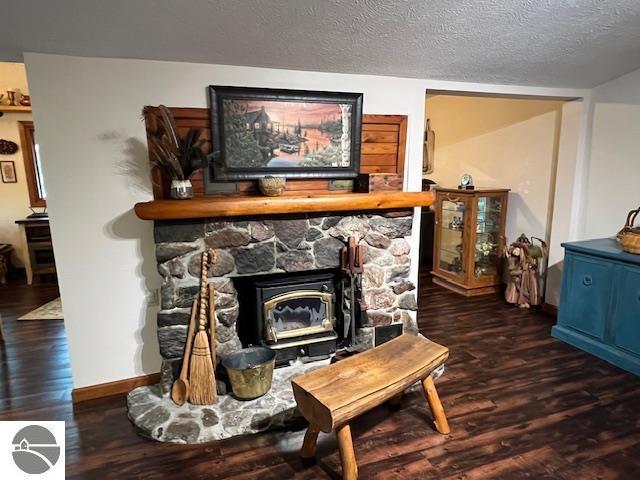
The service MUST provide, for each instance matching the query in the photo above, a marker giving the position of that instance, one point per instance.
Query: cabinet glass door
(486, 248)
(451, 224)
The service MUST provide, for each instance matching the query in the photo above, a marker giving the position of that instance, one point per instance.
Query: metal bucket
(250, 371)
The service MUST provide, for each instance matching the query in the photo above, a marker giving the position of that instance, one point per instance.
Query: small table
(36, 241)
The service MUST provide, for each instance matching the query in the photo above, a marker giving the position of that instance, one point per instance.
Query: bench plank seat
(335, 394)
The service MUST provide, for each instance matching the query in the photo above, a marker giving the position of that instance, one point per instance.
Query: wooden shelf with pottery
(228, 206)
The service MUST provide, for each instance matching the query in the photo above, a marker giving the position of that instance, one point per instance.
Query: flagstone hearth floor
(157, 417)
(520, 404)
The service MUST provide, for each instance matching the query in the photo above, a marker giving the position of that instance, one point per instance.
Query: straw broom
(201, 380)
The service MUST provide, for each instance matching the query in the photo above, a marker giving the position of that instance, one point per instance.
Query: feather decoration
(177, 158)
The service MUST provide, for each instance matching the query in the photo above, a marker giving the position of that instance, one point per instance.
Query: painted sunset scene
(260, 133)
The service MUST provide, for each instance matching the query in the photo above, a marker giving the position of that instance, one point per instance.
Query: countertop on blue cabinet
(603, 247)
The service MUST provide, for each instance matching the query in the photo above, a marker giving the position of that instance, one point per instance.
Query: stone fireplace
(260, 255)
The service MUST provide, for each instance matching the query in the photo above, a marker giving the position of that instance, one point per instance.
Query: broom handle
(203, 291)
(187, 348)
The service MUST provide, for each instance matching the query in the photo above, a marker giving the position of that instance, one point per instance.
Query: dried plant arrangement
(177, 158)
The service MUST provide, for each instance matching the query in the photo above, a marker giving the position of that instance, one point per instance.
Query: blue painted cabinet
(600, 302)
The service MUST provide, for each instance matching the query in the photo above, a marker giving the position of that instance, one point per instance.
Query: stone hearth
(260, 246)
(157, 417)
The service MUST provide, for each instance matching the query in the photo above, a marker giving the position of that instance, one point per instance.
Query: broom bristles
(202, 386)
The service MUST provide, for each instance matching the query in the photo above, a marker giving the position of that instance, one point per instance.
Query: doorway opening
(27, 260)
(504, 145)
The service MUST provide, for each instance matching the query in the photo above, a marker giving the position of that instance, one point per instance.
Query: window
(32, 165)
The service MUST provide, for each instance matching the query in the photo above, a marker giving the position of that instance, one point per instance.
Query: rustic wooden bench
(332, 396)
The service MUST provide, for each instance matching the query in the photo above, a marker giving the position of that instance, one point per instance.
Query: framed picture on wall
(287, 133)
(8, 171)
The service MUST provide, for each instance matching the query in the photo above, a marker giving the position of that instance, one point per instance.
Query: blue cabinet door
(588, 295)
(626, 321)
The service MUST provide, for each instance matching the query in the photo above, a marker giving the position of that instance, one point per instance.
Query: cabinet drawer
(626, 322)
(588, 294)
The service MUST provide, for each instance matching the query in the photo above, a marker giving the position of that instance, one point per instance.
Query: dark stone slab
(327, 252)
(223, 265)
(388, 332)
(167, 295)
(209, 418)
(170, 319)
(291, 232)
(171, 341)
(156, 416)
(176, 268)
(182, 432)
(261, 231)
(329, 222)
(225, 300)
(227, 237)
(167, 251)
(295, 261)
(186, 295)
(223, 284)
(178, 231)
(259, 258)
(313, 234)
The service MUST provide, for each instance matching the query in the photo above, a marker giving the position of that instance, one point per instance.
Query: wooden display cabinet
(469, 239)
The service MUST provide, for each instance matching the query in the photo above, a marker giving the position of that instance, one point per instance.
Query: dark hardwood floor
(520, 405)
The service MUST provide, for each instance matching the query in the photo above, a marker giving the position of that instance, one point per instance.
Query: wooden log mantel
(229, 206)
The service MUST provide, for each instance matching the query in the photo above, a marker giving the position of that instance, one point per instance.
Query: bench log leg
(436, 406)
(347, 455)
(309, 444)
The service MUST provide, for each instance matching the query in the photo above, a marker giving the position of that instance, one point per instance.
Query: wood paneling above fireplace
(384, 139)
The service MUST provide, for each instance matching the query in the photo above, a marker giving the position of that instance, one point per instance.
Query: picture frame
(258, 132)
(8, 171)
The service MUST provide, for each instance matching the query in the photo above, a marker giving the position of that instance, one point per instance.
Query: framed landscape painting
(287, 133)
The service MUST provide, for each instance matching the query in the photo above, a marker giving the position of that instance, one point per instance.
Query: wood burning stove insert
(294, 314)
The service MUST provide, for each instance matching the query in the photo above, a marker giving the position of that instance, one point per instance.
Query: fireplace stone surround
(258, 246)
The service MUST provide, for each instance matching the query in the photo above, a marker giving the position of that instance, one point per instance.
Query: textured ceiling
(571, 43)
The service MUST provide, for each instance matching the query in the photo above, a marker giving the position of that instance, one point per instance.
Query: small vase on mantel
(181, 189)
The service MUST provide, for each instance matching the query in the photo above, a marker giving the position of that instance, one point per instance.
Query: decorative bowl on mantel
(272, 186)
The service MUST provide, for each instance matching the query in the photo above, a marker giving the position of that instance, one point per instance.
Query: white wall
(14, 197)
(567, 182)
(91, 134)
(613, 184)
(503, 143)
